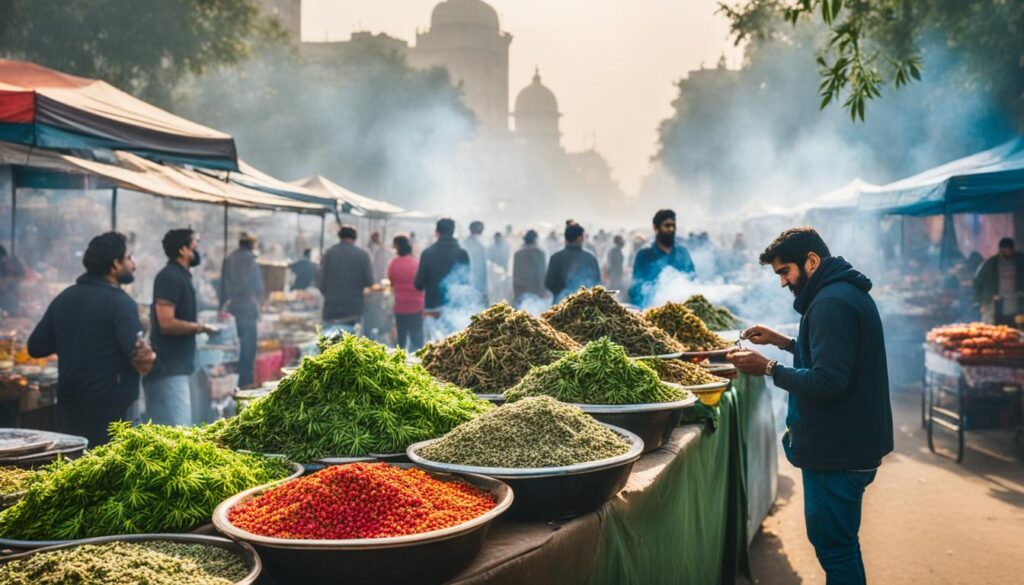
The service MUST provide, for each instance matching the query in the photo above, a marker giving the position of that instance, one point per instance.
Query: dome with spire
(536, 98)
(464, 13)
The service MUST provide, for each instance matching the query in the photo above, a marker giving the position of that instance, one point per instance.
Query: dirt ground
(926, 519)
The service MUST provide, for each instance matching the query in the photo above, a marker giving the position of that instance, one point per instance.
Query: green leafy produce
(352, 400)
(685, 326)
(682, 373)
(13, 479)
(533, 432)
(498, 348)
(128, 563)
(149, 478)
(601, 373)
(715, 317)
(592, 313)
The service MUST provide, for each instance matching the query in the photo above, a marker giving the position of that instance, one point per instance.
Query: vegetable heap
(715, 317)
(593, 313)
(682, 373)
(149, 478)
(601, 373)
(128, 563)
(352, 400)
(13, 479)
(682, 324)
(360, 500)
(498, 348)
(533, 432)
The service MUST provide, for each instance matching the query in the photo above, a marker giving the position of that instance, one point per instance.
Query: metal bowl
(430, 557)
(552, 493)
(727, 371)
(653, 422)
(712, 355)
(248, 554)
(710, 394)
(67, 446)
(495, 399)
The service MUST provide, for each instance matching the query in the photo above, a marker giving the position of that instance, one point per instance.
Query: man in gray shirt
(477, 258)
(345, 270)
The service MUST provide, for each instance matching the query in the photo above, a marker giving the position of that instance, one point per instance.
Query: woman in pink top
(408, 300)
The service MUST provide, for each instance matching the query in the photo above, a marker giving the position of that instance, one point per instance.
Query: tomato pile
(360, 500)
(979, 340)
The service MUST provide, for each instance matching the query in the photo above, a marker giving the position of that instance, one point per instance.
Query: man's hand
(748, 362)
(143, 357)
(204, 328)
(761, 335)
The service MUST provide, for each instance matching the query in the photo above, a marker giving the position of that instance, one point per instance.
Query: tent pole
(113, 209)
(224, 260)
(323, 223)
(14, 212)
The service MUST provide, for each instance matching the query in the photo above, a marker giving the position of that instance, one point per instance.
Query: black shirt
(571, 269)
(175, 355)
(305, 273)
(436, 263)
(92, 327)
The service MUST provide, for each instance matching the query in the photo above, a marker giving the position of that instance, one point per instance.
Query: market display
(533, 432)
(496, 350)
(128, 563)
(593, 313)
(685, 326)
(354, 399)
(978, 340)
(716, 318)
(148, 479)
(682, 373)
(13, 479)
(600, 373)
(360, 500)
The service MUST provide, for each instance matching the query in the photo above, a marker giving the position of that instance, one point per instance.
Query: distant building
(335, 50)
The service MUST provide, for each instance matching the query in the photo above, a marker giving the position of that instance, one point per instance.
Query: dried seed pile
(498, 348)
(593, 313)
(13, 479)
(533, 432)
(601, 373)
(148, 479)
(682, 372)
(715, 317)
(352, 400)
(128, 563)
(361, 500)
(685, 326)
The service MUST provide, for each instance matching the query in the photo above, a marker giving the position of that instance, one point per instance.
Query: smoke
(461, 300)
(533, 304)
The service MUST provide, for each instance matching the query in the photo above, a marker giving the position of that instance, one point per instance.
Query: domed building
(536, 116)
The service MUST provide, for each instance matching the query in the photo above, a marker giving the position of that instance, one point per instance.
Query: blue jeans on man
(832, 509)
(168, 400)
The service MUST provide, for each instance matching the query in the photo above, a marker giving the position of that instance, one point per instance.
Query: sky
(611, 63)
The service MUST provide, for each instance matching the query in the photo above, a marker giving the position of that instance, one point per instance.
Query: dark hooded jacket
(839, 412)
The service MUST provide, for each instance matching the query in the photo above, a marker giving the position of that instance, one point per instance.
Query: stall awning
(991, 181)
(365, 205)
(253, 178)
(45, 108)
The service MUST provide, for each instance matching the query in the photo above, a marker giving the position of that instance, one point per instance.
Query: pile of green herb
(682, 373)
(13, 479)
(498, 348)
(128, 563)
(601, 373)
(352, 400)
(685, 326)
(533, 432)
(593, 313)
(149, 478)
(715, 317)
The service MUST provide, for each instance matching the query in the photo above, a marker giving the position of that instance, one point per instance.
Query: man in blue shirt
(664, 252)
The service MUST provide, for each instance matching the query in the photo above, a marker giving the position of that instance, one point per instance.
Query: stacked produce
(498, 348)
(682, 373)
(533, 432)
(685, 326)
(715, 317)
(148, 479)
(601, 373)
(360, 500)
(593, 313)
(979, 340)
(352, 400)
(13, 479)
(128, 563)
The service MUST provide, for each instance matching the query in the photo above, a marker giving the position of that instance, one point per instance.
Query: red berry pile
(360, 500)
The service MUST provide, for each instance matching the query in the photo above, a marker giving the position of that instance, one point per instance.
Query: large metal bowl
(248, 554)
(552, 493)
(67, 446)
(653, 422)
(430, 557)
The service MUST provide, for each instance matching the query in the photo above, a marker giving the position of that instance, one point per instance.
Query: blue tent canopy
(991, 181)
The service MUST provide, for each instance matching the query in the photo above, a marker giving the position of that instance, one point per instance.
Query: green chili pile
(128, 563)
(715, 317)
(352, 400)
(533, 432)
(593, 313)
(682, 372)
(686, 327)
(148, 479)
(601, 373)
(498, 348)
(13, 479)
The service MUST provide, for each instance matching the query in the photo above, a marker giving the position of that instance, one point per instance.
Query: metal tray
(430, 557)
(652, 422)
(495, 399)
(69, 446)
(248, 554)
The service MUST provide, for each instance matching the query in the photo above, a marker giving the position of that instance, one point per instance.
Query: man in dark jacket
(304, 270)
(839, 425)
(436, 265)
(528, 269)
(243, 294)
(999, 285)
(572, 267)
(93, 327)
(345, 273)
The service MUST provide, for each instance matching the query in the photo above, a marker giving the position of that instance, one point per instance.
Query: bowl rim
(636, 450)
(497, 488)
(639, 407)
(720, 385)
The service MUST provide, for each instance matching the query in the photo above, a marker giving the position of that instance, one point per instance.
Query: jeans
(168, 401)
(832, 504)
(410, 331)
(247, 349)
